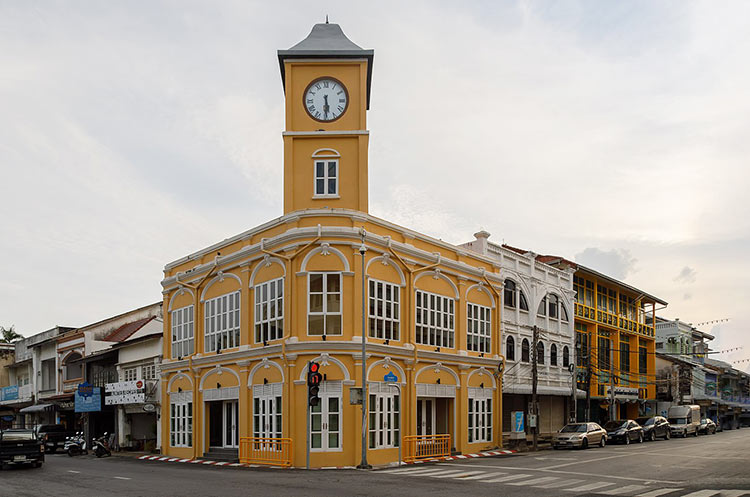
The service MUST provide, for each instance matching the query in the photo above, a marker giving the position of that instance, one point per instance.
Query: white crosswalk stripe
(590, 486)
(482, 476)
(627, 489)
(454, 473)
(658, 492)
(417, 471)
(561, 484)
(534, 481)
(734, 493)
(506, 478)
(704, 493)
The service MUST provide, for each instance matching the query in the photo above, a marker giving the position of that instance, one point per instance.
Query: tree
(9, 335)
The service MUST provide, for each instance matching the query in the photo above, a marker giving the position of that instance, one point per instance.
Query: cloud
(617, 263)
(687, 275)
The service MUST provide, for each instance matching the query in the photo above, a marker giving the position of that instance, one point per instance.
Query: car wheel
(603, 441)
(585, 444)
(627, 439)
(695, 434)
(652, 436)
(53, 450)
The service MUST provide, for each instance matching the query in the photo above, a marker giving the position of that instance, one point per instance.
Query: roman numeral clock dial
(326, 99)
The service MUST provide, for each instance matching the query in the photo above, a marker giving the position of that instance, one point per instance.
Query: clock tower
(326, 80)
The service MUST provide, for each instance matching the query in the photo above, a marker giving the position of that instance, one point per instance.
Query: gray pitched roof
(327, 41)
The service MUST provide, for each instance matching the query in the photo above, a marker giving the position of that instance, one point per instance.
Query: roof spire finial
(326, 18)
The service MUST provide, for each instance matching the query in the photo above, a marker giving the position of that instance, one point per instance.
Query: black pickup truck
(19, 446)
(52, 436)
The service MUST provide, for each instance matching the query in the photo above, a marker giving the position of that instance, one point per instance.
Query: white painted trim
(326, 178)
(321, 248)
(220, 277)
(266, 262)
(387, 262)
(174, 378)
(437, 274)
(319, 155)
(441, 368)
(484, 371)
(328, 358)
(210, 371)
(265, 364)
(179, 293)
(324, 133)
(482, 288)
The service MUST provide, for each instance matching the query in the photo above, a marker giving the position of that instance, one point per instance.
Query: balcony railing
(613, 320)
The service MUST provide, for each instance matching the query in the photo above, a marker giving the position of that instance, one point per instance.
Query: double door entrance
(434, 415)
(224, 425)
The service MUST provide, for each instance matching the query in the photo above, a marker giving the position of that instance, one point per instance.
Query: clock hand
(325, 105)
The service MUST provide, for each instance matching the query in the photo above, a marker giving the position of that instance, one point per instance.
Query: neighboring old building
(534, 294)
(244, 316)
(7, 390)
(615, 348)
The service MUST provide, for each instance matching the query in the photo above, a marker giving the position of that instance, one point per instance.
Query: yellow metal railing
(268, 451)
(608, 318)
(426, 447)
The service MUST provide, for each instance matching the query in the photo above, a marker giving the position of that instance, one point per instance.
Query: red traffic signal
(314, 367)
(313, 383)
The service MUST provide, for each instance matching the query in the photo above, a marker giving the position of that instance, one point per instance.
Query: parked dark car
(654, 427)
(20, 446)
(707, 427)
(52, 436)
(624, 430)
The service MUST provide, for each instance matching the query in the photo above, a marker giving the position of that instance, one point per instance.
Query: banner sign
(125, 392)
(88, 398)
(9, 393)
(624, 393)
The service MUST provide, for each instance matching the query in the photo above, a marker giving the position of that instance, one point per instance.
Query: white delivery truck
(684, 420)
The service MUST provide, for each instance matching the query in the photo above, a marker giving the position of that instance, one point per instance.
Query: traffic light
(313, 383)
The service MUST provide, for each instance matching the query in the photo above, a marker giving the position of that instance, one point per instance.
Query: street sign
(518, 425)
(390, 378)
(88, 401)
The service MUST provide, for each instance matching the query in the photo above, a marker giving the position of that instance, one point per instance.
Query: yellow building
(615, 345)
(245, 316)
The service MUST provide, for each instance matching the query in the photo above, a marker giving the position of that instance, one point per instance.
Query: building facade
(534, 294)
(244, 317)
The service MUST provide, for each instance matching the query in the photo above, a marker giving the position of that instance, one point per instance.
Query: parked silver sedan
(579, 435)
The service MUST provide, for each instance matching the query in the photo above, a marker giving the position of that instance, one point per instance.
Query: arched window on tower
(509, 296)
(326, 173)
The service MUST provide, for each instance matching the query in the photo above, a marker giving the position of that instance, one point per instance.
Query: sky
(615, 134)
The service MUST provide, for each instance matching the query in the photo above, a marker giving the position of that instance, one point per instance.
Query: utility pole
(612, 415)
(534, 409)
(363, 463)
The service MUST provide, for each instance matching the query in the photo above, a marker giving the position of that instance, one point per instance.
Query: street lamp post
(363, 464)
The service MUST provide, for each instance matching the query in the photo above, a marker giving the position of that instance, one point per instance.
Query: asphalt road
(704, 467)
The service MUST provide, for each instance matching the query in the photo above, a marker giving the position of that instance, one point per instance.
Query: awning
(541, 390)
(38, 408)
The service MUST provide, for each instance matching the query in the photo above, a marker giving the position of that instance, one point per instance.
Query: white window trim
(393, 415)
(181, 416)
(229, 331)
(479, 322)
(258, 316)
(443, 332)
(395, 318)
(477, 421)
(179, 320)
(325, 161)
(329, 389)
(126, 373)
(264, 394)
(325, 312)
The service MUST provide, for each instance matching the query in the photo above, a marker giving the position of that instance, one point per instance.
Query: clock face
(326, 99)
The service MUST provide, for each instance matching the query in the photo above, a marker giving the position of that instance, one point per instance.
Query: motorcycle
(101, 446)
(75, 445)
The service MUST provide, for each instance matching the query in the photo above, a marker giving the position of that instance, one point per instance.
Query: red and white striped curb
(489, 453)
(222, 463)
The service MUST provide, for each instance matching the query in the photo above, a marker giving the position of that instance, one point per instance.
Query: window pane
(319, 169)
(316, 302)
(333, 283)
(333, 303)
(333, 325)
(315, 325)
(316, 282)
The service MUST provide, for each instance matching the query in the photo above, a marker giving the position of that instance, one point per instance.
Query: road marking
(460, 474)
(121, 478)
(623, 490)
(482, 476)
(703, 493)
(552, 458)
(590, 486)
(535, 481)
(71, 471)
(561, 484)
(506, 478)
(734, 493)
(414, 471)
(658, 492)
(586, 461)
(567, 473)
